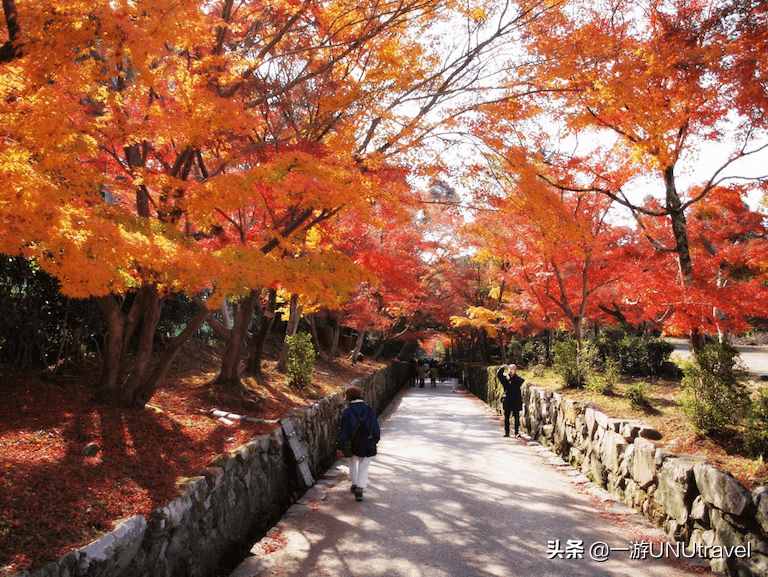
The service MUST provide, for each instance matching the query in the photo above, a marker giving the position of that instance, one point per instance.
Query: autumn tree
(554, 259)
(646, 86)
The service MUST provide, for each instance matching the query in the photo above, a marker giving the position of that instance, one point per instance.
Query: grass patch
(664, 413)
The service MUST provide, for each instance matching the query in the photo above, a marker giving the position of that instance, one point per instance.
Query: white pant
(358, 470)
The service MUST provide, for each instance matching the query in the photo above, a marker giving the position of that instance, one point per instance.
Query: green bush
(605, 382)
(756, 435)
(637, 393)
(572, 364)
(515, 351)
(301, 359)
(533, 352)
(539, 370)
(611, 373)
(597, 383)
(640, 355)
(714, 394)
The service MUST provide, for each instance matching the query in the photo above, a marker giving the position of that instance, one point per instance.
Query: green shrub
(539, 370)
(642, 355)
(301, 359)
(756, 435)
(605, 382)
(572, 364)
(611, 373)
(533, 352)
(515, 351)
(597, 383)
(714, 395)
(637, 393)
(658, 352)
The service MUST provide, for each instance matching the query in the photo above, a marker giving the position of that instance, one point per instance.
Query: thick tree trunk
(150, 317)
(229, 374)
(112, 355)
(122, 376)
(380, 349)
(167, 357)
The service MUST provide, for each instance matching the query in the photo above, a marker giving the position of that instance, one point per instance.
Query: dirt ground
(56, 495)
(664, 414)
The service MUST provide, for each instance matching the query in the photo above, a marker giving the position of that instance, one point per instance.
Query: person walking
(422, 370)
(433, 373)
(360, 433)
(413, 372)
(513, 397)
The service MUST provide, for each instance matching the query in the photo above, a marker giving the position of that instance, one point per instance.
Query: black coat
(513, 397)
(366, 437)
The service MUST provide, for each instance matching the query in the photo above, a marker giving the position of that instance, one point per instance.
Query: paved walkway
(754, 358)
(450, 497)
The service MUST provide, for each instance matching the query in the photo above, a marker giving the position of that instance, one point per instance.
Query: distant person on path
(413, 372)
(433, 372)
(513, 397)
(422, 373)
(360, 433)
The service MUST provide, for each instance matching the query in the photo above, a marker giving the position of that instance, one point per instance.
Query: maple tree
(646, 88)
(553, 256)
(188, 147)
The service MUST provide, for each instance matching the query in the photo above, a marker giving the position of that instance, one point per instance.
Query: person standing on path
(513, 397)
(413, 372)
(422, 372)
(433, 373)
(360, 433)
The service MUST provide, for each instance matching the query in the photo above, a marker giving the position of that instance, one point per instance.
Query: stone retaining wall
(692, 500)
(219, 513)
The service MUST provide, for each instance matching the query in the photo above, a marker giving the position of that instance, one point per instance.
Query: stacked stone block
(694, 501)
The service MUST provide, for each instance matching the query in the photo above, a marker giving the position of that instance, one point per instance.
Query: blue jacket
(368, 434)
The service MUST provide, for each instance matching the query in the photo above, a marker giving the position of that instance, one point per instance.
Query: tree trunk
(680, 232)
(290, 330)
(380, 348)
(335, 339)
(578, 332)
(253, 366)
(226, 314)
(123, 378)
(167, 357)
(358, 345)
(112, 355)
(229, 374)
(484, 347)
(150, 317)
(503, 351)
(11, 48)
(315, 336)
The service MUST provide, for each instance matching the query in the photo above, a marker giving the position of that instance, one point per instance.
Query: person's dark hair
(353, 393)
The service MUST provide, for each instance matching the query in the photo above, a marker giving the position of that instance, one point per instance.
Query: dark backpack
(359, 431)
